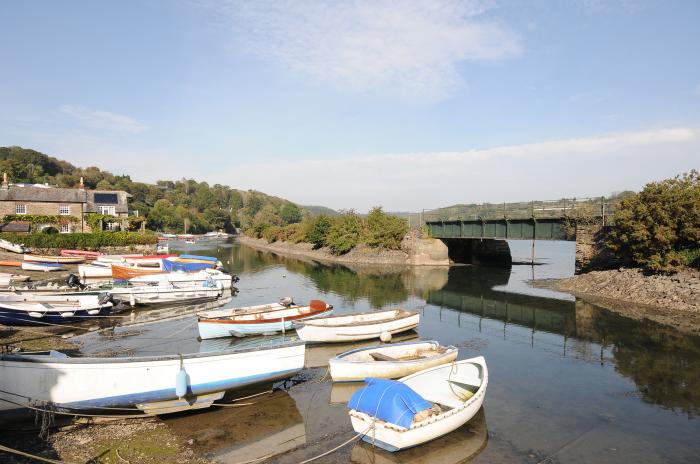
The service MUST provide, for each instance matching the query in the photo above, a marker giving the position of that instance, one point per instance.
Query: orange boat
(128, 272)
(11, 263)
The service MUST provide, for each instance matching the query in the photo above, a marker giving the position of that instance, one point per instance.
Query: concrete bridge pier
(490, 252)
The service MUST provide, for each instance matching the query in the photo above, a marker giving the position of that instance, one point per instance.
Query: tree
(318, 231)
(659, 228)
(290, 213)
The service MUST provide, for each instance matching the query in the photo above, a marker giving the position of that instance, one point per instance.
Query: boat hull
(343, 369)
(41, 266)
(215, 329)
(157, 294)
(334, 334)
(54, 259)
(12, 316)
(94, 383)
(394, 438)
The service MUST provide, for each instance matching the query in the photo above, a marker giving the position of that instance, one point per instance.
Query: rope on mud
(74, 414)
(30, 456)
(345, 443)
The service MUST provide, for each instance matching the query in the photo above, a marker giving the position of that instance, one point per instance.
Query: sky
(403, 104)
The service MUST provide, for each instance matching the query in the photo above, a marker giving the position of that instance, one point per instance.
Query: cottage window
(111, 210)
(112, 226)
(20, 209)
(64, 210)
(65, 228)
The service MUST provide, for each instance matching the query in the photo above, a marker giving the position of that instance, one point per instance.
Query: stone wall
(428, 252)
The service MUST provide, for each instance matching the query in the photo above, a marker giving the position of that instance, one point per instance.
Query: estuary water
(569, 382)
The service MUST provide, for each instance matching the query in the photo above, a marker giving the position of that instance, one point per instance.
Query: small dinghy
(182, 277)
(81, 253)
(363, 326)
(267, 319)
(13, 247)
(389, 361)
(54, 259)
(95, 269)
(437, 401)
(153, 385)
(46, 267)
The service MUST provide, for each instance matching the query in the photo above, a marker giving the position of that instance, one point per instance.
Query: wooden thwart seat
(382, 357)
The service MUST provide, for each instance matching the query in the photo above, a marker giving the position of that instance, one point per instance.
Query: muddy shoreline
(358, 255)
(672, 300)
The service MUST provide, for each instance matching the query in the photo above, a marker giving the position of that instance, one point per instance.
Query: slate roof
(62, 195)
(15, 226)
(50, 194)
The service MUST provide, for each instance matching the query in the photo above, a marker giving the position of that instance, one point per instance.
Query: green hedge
(92, 241)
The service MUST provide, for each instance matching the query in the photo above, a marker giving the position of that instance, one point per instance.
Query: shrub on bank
(80, 241)
(659, 228)
(340, 233)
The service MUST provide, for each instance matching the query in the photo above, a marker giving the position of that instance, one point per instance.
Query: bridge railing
(595, 208)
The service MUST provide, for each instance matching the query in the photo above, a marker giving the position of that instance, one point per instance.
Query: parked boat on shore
(181, 277)
(13, 247)
(154, 385)
(363, 326)
(81, 253)
(456, 392)
(40, 266)
(268, 319)
(36, 309)
(54, 259)
(389, 361)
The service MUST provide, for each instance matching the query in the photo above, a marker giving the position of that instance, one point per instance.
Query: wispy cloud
(566, 167)
(407, 49)
(97, 119)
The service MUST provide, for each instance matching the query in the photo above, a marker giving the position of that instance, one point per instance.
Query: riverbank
(415, 251)
(668, 299)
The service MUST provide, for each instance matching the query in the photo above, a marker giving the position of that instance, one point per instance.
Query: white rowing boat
(95, 269)
(13, 247)
(166, 293)
(45, 267)
(154, 385)
(457, 388)
(271, 320)
(363, 326)
(54, 259)
(178, 278)
(389, 361)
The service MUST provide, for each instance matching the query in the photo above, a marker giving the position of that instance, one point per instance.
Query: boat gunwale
(47, 359)
(341, 358)
(403, 314)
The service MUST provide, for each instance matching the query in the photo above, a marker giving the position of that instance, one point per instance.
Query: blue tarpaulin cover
(203, 258)
(388, 400)
(169, 266)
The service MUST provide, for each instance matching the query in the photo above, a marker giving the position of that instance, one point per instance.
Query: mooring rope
(30, 456)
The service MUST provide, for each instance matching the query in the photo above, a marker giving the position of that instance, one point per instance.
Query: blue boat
(52, 309)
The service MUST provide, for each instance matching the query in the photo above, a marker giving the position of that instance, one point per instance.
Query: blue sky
(405, 104)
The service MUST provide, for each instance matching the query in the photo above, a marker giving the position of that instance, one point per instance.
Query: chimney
(82, 185)
(5, 185)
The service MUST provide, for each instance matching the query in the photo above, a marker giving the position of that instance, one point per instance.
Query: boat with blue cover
(426, 405)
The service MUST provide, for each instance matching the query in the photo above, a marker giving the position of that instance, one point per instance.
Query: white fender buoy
(385, 337)
(181, 381)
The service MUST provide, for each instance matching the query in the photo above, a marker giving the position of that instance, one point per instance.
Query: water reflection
(272, 425)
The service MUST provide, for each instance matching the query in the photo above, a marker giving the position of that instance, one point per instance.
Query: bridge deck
(504, 229)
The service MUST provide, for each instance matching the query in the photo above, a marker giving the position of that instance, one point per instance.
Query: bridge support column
(489, 252)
